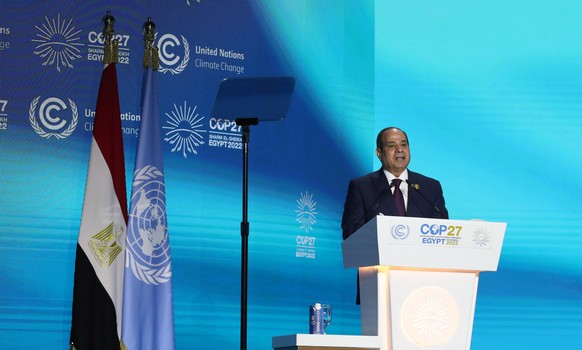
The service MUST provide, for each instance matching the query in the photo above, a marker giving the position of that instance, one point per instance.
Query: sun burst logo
(430, 316)
(481, 237)
(58, 42)
(184, 129)
(306, 211)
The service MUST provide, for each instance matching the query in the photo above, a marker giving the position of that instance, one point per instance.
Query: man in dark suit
(375, 193)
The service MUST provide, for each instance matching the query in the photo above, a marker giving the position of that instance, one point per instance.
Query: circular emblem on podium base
(430, 317)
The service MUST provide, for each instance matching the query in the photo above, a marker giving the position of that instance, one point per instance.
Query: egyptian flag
(99, 265)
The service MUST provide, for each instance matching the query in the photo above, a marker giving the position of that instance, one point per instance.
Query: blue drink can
(316, 319)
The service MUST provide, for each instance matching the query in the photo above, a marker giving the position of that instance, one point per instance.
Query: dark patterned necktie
(398, 197)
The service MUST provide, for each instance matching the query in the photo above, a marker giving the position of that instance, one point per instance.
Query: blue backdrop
(488, 93)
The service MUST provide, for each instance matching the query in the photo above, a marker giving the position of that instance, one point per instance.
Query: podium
(419, 276)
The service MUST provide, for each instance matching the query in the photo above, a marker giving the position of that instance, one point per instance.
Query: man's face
(395, 154)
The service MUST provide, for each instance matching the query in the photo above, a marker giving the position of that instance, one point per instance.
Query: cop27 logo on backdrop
(306, 211)
(55, 117)
(173, 58)
(148, 247)
(184, 125)
(3, 115)
(57, 42)
(95, 48)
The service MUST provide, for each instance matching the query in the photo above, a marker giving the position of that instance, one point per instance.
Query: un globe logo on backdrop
(148, 247)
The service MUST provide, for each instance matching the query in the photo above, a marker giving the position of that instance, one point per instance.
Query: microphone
(417, 188)
(379, 200)
(381, 197)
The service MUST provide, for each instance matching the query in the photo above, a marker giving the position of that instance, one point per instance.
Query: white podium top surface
(327, 340)
(425, 243)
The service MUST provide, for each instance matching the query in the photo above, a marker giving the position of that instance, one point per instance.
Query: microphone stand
(417, 189)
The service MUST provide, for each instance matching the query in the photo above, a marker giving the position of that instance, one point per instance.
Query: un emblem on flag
(148, 247)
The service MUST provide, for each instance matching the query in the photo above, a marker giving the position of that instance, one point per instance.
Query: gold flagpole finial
(150, 55)
(111, 45)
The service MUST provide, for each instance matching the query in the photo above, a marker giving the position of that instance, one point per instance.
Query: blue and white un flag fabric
(148, 312)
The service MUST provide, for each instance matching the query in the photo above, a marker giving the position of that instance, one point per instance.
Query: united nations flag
(148, 313)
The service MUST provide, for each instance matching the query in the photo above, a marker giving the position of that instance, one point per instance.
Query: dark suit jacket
(370, 195)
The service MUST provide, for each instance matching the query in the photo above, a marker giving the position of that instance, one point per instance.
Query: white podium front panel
(414, 310)
(432, 309)
(426, 244)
